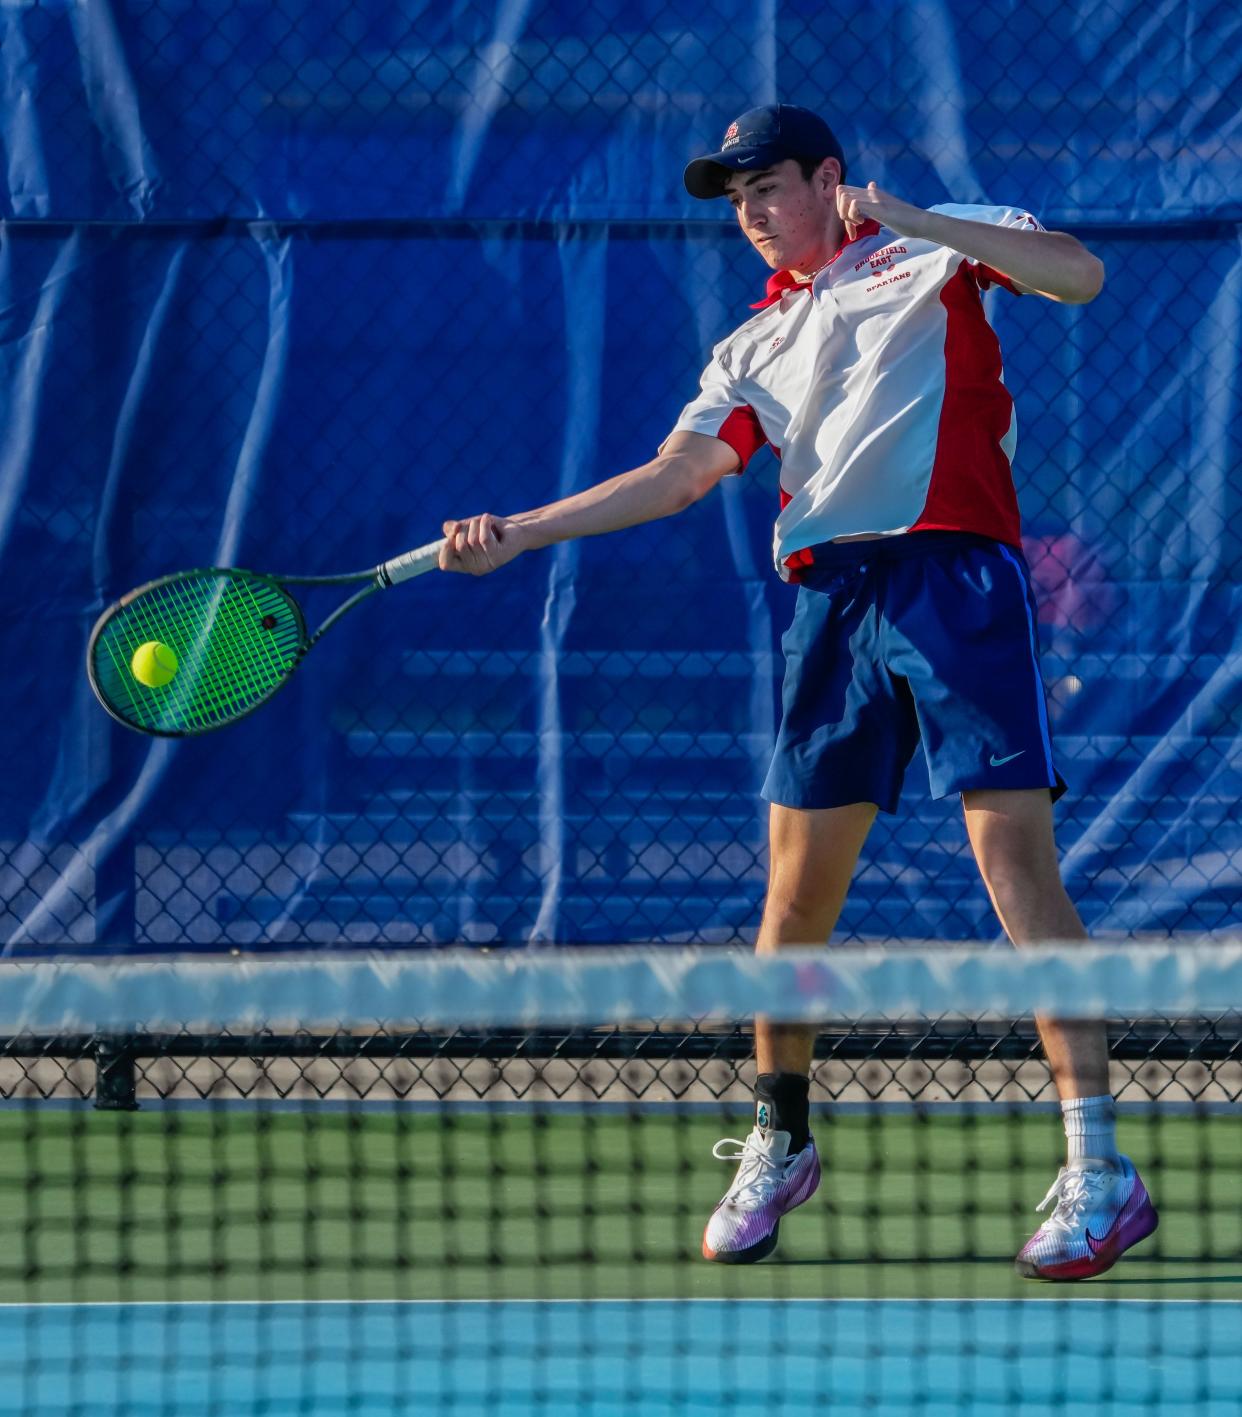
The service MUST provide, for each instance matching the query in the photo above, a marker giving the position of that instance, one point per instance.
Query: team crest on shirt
(776, 343)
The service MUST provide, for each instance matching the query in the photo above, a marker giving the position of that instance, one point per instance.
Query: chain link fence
(1171, 1063)
(285, 285)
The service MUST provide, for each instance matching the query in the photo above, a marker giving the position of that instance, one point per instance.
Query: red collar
(781, 281)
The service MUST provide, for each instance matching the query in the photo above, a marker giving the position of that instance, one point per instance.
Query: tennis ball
(154, 664)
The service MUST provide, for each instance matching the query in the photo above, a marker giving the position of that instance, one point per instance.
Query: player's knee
(1018, 880)
(803, 917)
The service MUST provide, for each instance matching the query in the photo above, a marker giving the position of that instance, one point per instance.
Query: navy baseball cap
(759, 139)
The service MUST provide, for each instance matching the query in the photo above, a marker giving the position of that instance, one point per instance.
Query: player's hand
(856, 205)
(477, 545)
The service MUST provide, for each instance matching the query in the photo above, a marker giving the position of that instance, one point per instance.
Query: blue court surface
(611, 1357)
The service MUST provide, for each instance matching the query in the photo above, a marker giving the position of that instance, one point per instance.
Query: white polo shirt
(879, 386)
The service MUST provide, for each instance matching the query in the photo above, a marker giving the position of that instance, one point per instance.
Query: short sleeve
(720, 411)
(1015, 217)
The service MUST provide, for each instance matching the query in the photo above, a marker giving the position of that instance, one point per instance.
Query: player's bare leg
(813, 854)
(1012, 838)
(1102, 1207)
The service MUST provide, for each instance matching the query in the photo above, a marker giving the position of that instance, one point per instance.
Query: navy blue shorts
(926, 636)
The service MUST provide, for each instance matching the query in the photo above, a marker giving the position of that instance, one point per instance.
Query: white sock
(1091, 1129)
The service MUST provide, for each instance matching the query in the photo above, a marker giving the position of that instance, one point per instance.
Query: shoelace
(758, 1175)
(1073, 1191)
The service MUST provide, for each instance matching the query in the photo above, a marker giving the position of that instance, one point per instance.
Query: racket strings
(228, 668)
(205, 683)
(236, 638)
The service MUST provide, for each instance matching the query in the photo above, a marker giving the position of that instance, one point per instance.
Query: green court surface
(235, 1203)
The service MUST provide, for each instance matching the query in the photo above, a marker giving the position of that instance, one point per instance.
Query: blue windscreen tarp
(284, 285)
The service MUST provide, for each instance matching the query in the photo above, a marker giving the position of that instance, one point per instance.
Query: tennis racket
(237, 637)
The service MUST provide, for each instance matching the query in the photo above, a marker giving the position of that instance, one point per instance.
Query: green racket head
(237, 637)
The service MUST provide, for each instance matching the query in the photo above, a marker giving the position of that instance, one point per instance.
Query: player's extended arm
(1050, 263)
(688, 467)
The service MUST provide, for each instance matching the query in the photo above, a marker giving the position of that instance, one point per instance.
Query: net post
(116, 1078)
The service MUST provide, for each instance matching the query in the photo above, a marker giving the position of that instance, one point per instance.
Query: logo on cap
(730, 136)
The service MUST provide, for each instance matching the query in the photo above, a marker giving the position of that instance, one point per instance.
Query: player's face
(791, 222)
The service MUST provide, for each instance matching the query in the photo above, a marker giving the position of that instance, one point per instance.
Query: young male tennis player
(871, 369)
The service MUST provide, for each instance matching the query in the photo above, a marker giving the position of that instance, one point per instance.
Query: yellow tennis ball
(154, 664)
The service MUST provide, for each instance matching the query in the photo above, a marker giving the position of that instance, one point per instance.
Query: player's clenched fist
(480, 544)
(856, 205)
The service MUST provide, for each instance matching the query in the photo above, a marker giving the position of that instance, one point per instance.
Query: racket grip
(410, 564)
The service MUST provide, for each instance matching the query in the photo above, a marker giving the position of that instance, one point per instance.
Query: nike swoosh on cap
(1000, 762)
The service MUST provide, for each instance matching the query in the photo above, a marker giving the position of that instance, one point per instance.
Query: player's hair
(810, 165)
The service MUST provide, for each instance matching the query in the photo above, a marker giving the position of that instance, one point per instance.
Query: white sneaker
(769, 1183)
(1100, 1213)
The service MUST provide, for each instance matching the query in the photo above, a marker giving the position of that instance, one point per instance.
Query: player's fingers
(451, 558)
(852, 202)
(474, 545)
(480, 531)
(480, 545)
(482, 541)
(455, 554)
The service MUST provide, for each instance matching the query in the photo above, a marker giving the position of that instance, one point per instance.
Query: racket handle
(409, 565)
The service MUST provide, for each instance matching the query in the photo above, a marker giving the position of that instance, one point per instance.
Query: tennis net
(476, 1181)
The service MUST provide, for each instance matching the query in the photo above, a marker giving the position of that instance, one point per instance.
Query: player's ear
(828, 175)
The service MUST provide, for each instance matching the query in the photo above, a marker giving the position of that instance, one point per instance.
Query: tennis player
(870, 368)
